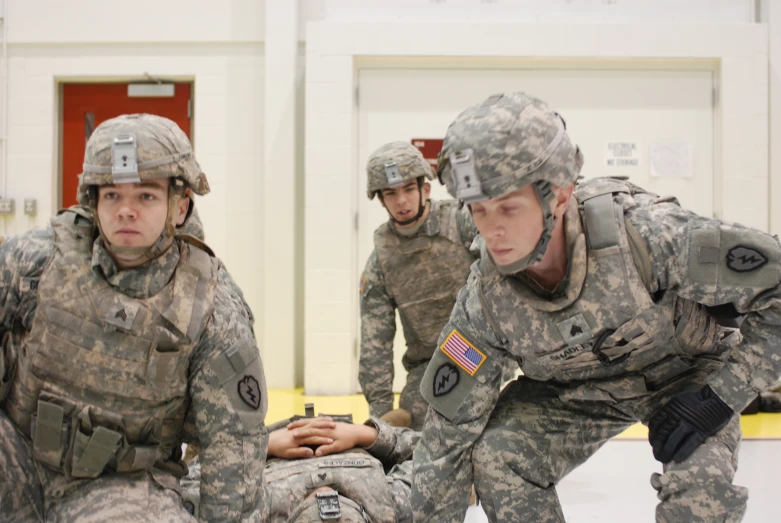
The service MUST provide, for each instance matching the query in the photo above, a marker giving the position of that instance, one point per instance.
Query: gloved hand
(680, 426)
(397, 418)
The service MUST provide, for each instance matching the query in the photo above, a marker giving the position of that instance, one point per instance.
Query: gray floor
(613, 486)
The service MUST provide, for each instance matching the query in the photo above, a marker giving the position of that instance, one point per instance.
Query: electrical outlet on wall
(6, 206)
(30, 206)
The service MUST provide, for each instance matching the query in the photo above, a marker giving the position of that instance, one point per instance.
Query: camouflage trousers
(534, 439)
(410, 398)
(31, 493)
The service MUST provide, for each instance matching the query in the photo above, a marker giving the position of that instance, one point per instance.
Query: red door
(85, 106)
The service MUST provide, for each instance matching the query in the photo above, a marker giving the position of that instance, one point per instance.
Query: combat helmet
(393, 165)
(137, 147)
(507, 142)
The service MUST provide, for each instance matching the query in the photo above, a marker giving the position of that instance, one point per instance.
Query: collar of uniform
(429, 226)
(139, 282)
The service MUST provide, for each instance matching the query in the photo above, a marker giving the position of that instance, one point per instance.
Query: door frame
(59, 86)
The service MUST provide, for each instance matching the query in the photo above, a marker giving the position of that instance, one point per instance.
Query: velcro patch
(462, 352)
(321, 479)
(575, 330)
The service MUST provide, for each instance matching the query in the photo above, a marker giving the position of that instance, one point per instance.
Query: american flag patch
(362, 283)
(463, 353)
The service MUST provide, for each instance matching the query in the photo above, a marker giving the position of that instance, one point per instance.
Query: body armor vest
(423, 275)
(354, 474)
(607, 324)
(102, 378)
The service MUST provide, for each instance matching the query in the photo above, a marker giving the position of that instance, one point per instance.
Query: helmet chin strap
(421, 210)
(544, 196)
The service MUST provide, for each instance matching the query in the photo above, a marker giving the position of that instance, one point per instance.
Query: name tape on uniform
(345, 463)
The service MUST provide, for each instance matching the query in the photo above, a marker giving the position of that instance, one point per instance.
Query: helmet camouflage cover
(136, 147)
(393, 165)
(503, 144)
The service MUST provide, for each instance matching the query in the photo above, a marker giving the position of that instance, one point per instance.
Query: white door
(616, 117)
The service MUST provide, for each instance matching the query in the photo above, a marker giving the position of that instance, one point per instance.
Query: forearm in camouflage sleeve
(393, 444)
(229, 404)
(232, 455)
(700, 259)
(378, 328)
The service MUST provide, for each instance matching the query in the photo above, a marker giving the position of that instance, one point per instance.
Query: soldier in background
(421, 259)
(121, 341)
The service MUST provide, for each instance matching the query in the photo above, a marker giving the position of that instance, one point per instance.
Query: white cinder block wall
(263, 223)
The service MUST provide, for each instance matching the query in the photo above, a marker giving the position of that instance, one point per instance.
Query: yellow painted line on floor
(287, 402)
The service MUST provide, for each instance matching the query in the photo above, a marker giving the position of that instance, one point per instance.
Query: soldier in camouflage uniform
(121, 341)
(420, 260)
(362, 472)
(601, 291)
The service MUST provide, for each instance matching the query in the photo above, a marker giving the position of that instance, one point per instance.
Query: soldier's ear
(561, 199)
(183, 207)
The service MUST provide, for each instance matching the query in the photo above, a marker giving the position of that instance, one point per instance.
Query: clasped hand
(300, 437)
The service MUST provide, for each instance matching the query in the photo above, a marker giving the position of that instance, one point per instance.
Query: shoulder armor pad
(605, 185)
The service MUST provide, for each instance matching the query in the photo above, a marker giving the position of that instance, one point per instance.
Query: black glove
(680, 426)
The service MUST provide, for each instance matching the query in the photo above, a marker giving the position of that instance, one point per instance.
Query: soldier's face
(135, 214)
(511, 225)
(403, 202)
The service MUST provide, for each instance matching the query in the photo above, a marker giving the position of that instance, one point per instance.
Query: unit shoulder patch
(249, 391)
(445, 379)
(745, 259)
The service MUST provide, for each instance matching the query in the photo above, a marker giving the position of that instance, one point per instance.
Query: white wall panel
(140, 21)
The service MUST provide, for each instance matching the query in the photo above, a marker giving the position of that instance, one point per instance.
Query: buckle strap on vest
(98, 450)
(48, 440)
(137, 457)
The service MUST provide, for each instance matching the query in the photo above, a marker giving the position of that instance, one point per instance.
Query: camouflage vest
(423, 275)
(102, 377)
(354, 474)
(607, 325)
